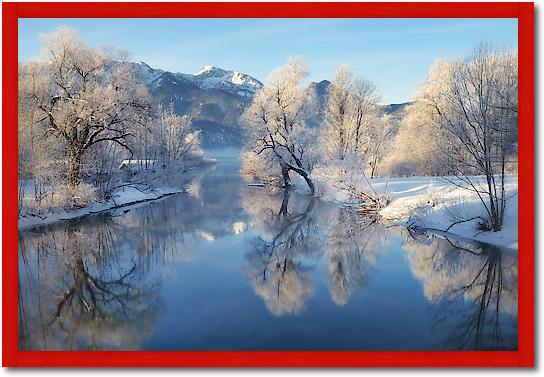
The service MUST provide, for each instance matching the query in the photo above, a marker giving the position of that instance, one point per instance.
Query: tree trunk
(373, 168)
(357, 139)
(285, 203)
(285, 175)
(341, 144)
(309, 183)
(304, 175)
(74, 165)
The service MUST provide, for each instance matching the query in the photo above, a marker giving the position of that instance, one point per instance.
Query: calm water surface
(232, 267)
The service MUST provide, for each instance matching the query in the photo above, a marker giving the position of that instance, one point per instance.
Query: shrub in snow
(338, 175)
(431, 196)
(398, 166)
(78, 196)
(344, 181)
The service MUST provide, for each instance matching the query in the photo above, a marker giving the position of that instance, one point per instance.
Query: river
(233, 267)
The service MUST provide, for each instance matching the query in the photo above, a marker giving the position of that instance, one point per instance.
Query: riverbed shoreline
(432, 203)
(32, 222)
(128, 196)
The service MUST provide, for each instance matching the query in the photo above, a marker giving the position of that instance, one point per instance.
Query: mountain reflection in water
(228, 266)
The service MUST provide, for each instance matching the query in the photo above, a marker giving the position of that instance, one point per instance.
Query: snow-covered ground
(435, 203)
(123, 197)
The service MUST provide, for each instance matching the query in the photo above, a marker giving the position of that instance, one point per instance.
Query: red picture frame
(523, 357)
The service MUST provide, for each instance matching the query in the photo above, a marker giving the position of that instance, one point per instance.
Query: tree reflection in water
(473, 287)
(293, 234)
(96, 283)
(351, 244)
(274, 265)
(93, 283)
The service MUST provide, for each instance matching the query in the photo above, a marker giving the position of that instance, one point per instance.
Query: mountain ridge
(209, 77)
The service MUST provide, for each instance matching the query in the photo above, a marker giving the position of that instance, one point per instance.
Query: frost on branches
(461, 126)
(275, 124)
(81, 113)
(464, 124)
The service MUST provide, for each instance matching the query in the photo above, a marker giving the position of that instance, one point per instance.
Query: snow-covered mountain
(215, 98)
(209, 77)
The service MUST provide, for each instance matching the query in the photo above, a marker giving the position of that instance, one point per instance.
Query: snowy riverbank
(123, 197)
(434, 203)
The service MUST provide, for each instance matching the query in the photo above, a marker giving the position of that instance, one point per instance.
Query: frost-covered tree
(337, 131)
(416, 149)
(377, 141)
(351, 130)
(472, 103)
(175, 136)
(81, 102)
(40, 156)
(275, 122)
(418, 144)
(364, 98)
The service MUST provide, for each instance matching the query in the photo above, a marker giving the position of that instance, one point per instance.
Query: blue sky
(394, 53)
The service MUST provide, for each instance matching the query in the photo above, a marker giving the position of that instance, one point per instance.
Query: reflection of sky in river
(233, 267)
